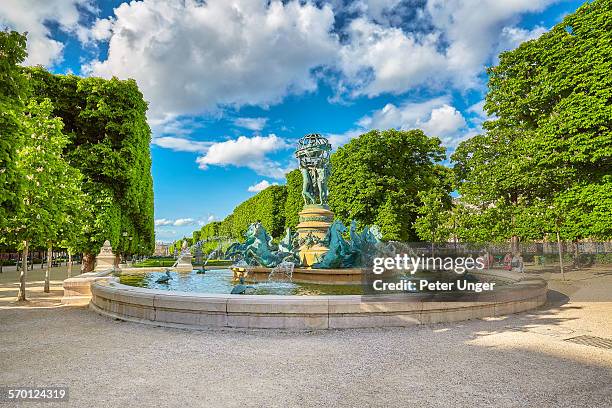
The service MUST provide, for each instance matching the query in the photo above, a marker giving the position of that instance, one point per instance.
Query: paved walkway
(514, 361)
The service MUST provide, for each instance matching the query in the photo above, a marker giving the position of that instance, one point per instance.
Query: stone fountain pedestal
(105, 259)
(183, 263)
(77, 290)
(314, 224)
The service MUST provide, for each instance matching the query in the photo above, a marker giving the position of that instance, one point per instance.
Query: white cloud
(464, 36)
(32, 16)
(183, 221)
(512, 37)
(436, 117)
(180, 144)
(262, 185)
(255, 124)
(179, 222)
(478, 109)
(377, 10)
(444, 121)
(381, 59)
(472, 27)
(246, 152)
(191, 56)
(211, 218)
(250, 152)
(102, 29)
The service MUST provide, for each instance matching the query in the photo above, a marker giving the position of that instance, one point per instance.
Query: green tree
(294, 202)
(109, 139)
(267, 206)
(13, 92)
(50, 186)
(376, 179)
(432, 223)
(555, 94)
(494, 170)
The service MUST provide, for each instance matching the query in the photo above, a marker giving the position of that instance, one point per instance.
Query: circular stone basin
(188, 309)
(219, 281)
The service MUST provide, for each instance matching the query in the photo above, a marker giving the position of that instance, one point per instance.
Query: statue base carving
(314, 223)
(184, 263)
(105, 259)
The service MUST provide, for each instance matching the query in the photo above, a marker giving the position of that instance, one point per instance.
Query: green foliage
(267, 206)
(51, 193)
(432, 224)
(376, 179)
(109, 143)
(210, 230)
(480, 224)
(545, 160)
(12, 96)
(294, 202)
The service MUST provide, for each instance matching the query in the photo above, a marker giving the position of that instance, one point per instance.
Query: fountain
(317, 277)
(318, 249)
(183, 263)
(282, 272)
(315, 218)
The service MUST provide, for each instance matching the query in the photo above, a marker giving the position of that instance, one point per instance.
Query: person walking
(517, 263)
(508, 262)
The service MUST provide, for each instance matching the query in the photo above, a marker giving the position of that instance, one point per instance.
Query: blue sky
(232, 85)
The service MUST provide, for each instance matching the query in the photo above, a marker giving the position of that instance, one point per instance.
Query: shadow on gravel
(555, 299)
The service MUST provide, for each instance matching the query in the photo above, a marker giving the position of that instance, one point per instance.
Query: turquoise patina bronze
(258, 248)
(319, 242)
(313, 155)
(343, 254)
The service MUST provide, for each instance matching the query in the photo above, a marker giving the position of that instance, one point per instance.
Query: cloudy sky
(232, 85)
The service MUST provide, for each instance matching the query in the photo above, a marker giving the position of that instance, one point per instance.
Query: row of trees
(75, 165)
(542, 169)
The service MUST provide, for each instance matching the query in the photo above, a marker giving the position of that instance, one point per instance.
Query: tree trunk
(47, 271)
(560, 249)
(87, 264)
(21, 295)
(575, 255)
(117, 261)
(514, 244)
(69, 263)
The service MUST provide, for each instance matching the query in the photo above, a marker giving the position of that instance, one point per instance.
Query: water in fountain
(209, 257)
(282, 272)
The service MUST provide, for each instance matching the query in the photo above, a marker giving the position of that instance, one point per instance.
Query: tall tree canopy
(376, 179)
(13, 92)
(267, 206)
(545, 161)
(295, 202)
(51, 188)
(109, 143)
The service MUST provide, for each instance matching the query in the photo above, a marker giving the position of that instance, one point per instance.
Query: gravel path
(516, 361)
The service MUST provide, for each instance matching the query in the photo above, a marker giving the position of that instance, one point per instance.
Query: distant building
(161, 249)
